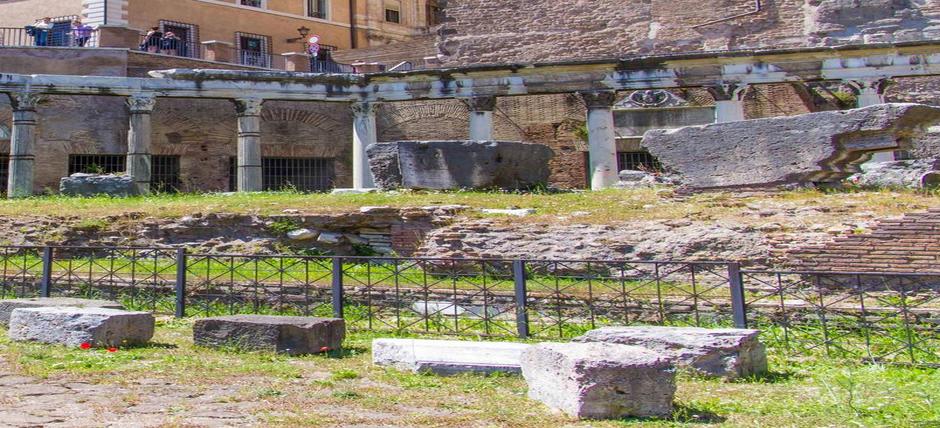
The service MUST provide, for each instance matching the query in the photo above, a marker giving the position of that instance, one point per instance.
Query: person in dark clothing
(40, 31)
(171, 44)
(153, 41)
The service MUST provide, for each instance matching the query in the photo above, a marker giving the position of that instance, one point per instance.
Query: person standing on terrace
(81, 33)
(153, 41)
(40, 31)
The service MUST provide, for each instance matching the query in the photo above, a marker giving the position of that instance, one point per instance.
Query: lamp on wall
(303, 31)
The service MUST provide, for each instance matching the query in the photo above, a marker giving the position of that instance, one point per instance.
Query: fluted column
(602, 139)
(363, 135)
(22, 144)
(140, 107)
(249, 144)
(481, 118)
(729, 102)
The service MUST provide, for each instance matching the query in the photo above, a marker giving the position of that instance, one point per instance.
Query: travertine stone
(724, 352)
(448, 357)
(458, 164)
(283, 334)
(805, 149)
(71, 326)
(599, 380)
(81, 184)
(7, 306)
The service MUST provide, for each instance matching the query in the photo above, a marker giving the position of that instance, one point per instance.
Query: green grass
(346, 388)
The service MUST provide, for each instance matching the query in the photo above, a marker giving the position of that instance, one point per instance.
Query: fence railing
(870, 317)
(13, 37)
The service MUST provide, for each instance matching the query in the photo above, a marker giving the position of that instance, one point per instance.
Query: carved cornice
(248, 106)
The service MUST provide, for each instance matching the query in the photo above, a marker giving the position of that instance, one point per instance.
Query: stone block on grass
(600, 380)
(72, 326)
(282, 334)
(729, 353)
(7, 306)
(448, 357)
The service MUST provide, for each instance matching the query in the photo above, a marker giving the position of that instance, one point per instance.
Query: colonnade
(602, 147)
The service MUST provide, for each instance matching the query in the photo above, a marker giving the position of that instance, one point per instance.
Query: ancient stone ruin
(283, 334)
(81, 184)
(443, 165)
(824, 147)
(72, 326)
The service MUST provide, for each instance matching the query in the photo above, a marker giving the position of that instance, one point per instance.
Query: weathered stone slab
(448, 357)
(81, 184)
(459, 164)
(599, 380)
(288, 335)
(913, 174)
(71, 326)
(7, 306)
(724, 352)
(805, 149)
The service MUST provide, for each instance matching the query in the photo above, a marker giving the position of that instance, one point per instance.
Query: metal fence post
(522, 315)
(738, 305)
(337, 287)
(180, 282)
(45, 284)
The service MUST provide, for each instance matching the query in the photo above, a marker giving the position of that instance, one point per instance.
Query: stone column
(363, 135)
(22, 144)
(602, 139)
(140, 106)
(868, 93)
(481, 118)
(249, 144)
(729, 102)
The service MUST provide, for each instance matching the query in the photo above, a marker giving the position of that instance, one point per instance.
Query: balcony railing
(14, 36)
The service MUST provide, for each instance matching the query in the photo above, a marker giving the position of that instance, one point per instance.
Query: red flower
(325, 349)
(85, 345)
(112, 349)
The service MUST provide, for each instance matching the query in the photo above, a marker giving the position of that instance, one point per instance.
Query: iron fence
(861, 316)
(56, 37)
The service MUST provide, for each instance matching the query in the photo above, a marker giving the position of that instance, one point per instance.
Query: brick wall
(907, 244)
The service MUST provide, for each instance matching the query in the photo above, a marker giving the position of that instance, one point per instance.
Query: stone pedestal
(364, 134)
(7, 306)
(729, 353)
(288, 335)
(71, 326)
(249, 144)
(218, 51)
(599, 380)
(602, 139)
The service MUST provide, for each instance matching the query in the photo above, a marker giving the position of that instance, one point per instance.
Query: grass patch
(323, 391)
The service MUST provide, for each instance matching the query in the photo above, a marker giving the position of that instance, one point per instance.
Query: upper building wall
(491, 31)
(19, 13)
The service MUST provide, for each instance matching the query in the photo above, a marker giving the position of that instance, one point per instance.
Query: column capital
(25, 100)
(601, 99)
(141, 103)
(360, 109)
(481, 103)
(868, 86)
(248, 106)
(728, 91)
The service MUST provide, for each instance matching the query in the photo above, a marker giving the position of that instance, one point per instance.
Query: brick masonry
(907, 244)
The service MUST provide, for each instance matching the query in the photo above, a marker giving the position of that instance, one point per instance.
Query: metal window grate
(253, 49)
(638, 161)
(302, 174)
(165, 174)
(104, 164)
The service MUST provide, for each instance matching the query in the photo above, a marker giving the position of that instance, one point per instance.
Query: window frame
(324, 14)
(397, 14)
(263, 5)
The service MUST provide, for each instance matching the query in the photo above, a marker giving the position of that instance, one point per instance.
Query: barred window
(97, 164)
(300, 174)
(316, 9)
(165, 174)
(639, 161)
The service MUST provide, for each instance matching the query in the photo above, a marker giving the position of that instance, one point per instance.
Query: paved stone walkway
(33, 402)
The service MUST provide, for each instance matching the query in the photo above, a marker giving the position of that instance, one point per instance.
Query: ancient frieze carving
(651, 98)
(25, 100)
